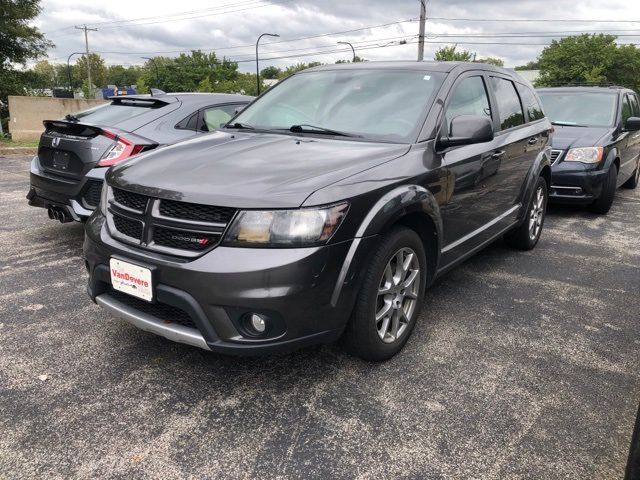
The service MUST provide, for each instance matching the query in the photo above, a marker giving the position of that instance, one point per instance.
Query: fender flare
(393, 205)
(610, 159)
(542, 160)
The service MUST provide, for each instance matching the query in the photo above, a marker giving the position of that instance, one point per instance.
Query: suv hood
(249, 170)
(573, 137)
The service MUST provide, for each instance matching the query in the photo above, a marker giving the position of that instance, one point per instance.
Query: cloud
(222, 24)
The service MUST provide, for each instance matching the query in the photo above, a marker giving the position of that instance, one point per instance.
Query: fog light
(258, 323)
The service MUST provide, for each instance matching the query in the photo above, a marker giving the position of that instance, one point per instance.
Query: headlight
(104, 198)
(584, 155)
(286, 228)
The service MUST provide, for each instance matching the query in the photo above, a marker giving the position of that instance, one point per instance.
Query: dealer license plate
(131, 279)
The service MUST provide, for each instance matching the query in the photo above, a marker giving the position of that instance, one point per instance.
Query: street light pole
(155, 65)
(257, 62)
(352, 49)
(69, 68)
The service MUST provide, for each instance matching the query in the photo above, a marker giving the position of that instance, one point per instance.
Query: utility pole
(86, 43)
(423, 20)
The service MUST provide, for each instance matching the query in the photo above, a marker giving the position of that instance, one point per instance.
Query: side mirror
(632, 124)
(467, 130)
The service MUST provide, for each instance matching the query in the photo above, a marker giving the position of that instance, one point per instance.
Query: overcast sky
(164, 28)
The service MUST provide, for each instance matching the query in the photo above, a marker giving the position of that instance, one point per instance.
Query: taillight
(121, 150)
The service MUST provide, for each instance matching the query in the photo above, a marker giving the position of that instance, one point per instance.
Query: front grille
(555, 155)
(128, 227)
(167, 226)
(92, 193)
(192, 241)
(196, 212)
(130, 200)
(161, 311)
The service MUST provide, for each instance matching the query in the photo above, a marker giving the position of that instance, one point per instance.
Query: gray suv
(324, 209)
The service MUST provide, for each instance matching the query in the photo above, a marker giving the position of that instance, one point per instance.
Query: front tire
(526, 236)
(390, 299)
(603, 203)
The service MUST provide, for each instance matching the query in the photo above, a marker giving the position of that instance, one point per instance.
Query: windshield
(113, 113)
(375, 104)
(580, 108)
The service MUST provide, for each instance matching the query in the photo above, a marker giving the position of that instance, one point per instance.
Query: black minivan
(324, 209)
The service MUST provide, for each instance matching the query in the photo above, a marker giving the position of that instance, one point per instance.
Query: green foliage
(121, 76)
(98, 70)
(356, 59)
(270, 72)
(141, 86)
(579, 59)
(532, 65)
(19, 41)
(297, 68)
(498, 62)
(451, 54)
(205, 85)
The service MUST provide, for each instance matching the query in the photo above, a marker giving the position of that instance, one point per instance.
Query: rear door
(472, 202)
(631, 145)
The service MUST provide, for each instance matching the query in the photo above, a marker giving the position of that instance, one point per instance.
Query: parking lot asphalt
(522, 365)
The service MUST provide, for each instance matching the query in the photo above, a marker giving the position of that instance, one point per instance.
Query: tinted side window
(212, 117)
(508, 103)
(468, 98)
(531, 104)
(189, 123)
(627, 109)
(635, 107)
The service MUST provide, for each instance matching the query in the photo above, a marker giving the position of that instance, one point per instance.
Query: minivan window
(114, 113)
(635, 108)
(375, 104)
(627, 109)
(508, 103)
(588, 109)
(530, 103)
(468, 98)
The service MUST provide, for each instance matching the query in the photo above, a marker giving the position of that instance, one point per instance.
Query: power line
(551, 20)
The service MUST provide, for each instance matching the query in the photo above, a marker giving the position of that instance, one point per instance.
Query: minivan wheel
(526, 236)
(635, 178)
(603, 203)
(390, 299)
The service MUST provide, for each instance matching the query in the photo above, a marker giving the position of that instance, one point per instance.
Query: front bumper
(77, 197)
(203, 302)
(576, 183)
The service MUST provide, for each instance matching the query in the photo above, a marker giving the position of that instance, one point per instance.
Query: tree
(205, 85)
(45, 74)
(19, 42)
(356, 59)
(451, 54)
(141, 86)
(270, 72)
(579, 59)
(121, 76)
(532, 65)
(498, 62)
(98, 70)
(297, 68)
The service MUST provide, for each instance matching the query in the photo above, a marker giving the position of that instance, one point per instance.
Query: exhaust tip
(51, 212)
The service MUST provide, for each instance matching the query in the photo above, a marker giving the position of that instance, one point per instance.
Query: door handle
(532, 141)
(498, 154)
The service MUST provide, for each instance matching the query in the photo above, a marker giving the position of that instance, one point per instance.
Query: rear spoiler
(72, 128)
(152, 102)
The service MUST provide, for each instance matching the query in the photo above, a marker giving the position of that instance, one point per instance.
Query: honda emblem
(55, 142)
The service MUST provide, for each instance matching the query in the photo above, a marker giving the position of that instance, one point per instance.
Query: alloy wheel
(397, 295)
(536, 215)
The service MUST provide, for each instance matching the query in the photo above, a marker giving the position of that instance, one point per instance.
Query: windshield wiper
(71, 117)
(567, 124)
(241, 126)
(304, 128)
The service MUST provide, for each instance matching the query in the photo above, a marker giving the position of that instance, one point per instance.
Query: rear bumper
(577, 184)
(77, 197)
(291, 288)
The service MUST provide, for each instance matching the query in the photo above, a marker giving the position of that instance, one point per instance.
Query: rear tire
(634, 180)
(602, 204)
(526, 236)
(390, 299)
